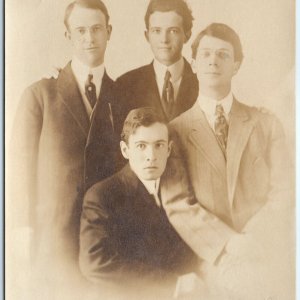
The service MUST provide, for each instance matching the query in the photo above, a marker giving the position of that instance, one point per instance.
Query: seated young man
(125, 237)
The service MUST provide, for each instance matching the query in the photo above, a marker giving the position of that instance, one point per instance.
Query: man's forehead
(82, 14)
(215, 43)
(152, 133)
(165, 19)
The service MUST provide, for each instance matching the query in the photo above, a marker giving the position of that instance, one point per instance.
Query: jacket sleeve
(23, 156)
(100, 259)
(205, 233)
(279, 204)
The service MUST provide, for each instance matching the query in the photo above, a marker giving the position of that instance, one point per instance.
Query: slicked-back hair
(144, 116)
(179, 6)
(92, 4)
(223, 32)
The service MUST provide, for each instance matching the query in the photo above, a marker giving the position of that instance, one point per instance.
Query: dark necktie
(168, 95)
(90, 90)
(221, 127)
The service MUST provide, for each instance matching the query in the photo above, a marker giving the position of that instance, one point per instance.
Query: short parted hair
(92, 4)
(179, 6)
(223, 32)
(144, 116)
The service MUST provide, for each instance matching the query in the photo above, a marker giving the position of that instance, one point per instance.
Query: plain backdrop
(35, 42)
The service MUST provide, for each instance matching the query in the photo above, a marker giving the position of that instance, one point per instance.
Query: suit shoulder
(104, 188)
(41, 86)
(259, 112)
(133, 75)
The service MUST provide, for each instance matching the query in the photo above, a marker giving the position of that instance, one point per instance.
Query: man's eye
(156, 30)
(160, 145)
(141, 146)
(96, 29)
(81, 31)
(223, 55)
(204, 54)
(174, 31)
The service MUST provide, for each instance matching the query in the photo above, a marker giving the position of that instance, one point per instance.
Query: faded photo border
(20, 57)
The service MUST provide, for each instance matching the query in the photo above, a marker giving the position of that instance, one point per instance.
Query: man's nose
(89, 36)
(164, 36)
(150, 154)
(213, 59)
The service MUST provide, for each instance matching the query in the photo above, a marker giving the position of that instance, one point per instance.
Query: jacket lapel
(182, 103)
(71, 97)
(202, 136)
(103, 111)
(240, 128)
(152, 90)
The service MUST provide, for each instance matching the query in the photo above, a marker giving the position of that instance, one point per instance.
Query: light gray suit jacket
(229, 191)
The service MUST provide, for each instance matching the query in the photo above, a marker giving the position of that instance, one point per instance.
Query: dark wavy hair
(144, 116)
(179, 6)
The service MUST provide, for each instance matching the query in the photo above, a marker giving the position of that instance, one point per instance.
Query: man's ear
(187, 36)
(236, 67)
(193, 65)
(146, 33)
(109, 31)
(124, 149)
(67, 35)
(170, 146)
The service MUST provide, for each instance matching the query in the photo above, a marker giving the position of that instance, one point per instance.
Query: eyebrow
(158, 27)
(145, 142)
(100, 25)
(223, 49)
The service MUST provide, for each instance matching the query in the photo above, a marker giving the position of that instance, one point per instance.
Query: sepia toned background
(35, 42)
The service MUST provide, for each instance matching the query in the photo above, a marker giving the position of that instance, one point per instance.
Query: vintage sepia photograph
(150, 150)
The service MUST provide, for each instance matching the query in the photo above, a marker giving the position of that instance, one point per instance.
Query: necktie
(90, 90)
(168, 95)
(221, 127)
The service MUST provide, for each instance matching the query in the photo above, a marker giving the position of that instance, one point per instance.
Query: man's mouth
(150, 168)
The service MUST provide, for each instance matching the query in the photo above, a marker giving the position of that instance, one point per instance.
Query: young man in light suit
(126, 241)
(168, 83)
(63, 141)
(237, 163)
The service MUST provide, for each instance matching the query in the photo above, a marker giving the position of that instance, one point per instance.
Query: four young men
(66, 135)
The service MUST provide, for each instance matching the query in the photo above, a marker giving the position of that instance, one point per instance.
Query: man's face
(166, 36)
(148, 150)
(88, 34)
(215, 65)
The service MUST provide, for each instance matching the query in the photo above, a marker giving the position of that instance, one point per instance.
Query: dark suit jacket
(138, 88)
(125, 236)
(56, 151)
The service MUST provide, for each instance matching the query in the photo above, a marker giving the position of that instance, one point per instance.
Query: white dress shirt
(152, 186)
(208, 106)
(176, 71)
(81, 73)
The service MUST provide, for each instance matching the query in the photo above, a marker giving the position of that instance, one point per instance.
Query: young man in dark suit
(126, 240)
(63, 141)
(168, 83)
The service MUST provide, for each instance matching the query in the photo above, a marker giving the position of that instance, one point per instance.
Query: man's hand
(188, 286)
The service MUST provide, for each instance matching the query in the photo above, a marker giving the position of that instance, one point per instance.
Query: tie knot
(219, 110)
(89, 79)
(167, 75)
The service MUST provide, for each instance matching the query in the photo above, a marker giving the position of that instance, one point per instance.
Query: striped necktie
(221, 127)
